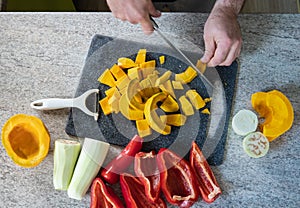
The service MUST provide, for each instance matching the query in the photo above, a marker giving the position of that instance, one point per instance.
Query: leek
(65, 156)
(88, 165)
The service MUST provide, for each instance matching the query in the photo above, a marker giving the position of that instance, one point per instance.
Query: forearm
(234, 5)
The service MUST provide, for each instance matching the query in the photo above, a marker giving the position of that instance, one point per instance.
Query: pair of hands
(222, 35)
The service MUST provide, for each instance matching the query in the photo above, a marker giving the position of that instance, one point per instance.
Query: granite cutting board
(210, 133)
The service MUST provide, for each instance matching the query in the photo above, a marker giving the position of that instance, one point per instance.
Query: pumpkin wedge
(26, 140)
(276, 110)
(151, 116)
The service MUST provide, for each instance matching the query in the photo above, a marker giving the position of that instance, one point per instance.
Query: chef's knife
(207, 83)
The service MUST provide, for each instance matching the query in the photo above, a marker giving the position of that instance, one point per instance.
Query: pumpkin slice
(201, 66)
(151, 116)
(134, 73)
(163, 78)
(122, 82)
(143, 128)
(168, 88)
(125, 63)
(26, 140)
(205, 111)
(110, 92)
(276, 110)
(117, 72)
(146, 70)
(131, 91)
(177, 85)
(127, 111)
(107, 78)
(186, 106)
(162, 59)
(105, 106)
(174, 119)
(169, 105)
(195, 99)
(187, 76)
(141, 56)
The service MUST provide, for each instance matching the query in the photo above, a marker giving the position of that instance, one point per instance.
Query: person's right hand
(135, 11)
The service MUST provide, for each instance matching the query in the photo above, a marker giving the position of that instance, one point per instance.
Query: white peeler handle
(52, 104)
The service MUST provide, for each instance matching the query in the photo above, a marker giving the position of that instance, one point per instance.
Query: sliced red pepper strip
(208, 185)
(103, 196)
(112, 170)
(145, 167)
(178, 181)
(134, 195)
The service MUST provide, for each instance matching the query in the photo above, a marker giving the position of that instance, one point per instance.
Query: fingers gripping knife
(78, 102)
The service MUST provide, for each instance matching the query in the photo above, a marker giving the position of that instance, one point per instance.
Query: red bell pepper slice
(134, 195)
(146, 169)
(178, 181)
(112, 170)
(208, 185)
(103, 196)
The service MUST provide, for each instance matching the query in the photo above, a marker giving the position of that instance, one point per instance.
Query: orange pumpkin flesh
(26, 140)
(276, 110)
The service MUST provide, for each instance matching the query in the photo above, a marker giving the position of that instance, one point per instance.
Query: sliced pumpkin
(127, 111)
(162, 59)
(107, 78)
(153, 77)
(131, 91)
(105, 106)
(186, 106)
(169, 105)
(139, 90)
(117, 72)
(134, 73)
(143, 128)
(148, 65)
(276, 110)
(109, 93)
(122, 82)
(174, 119)
(177, 85)
(151, 116)
(195, 99)
(26, 140)
(141, 56)
(125, 63)
(163, 78)
(167, 88)
(201, 66)
(205, 111)
(187, 76)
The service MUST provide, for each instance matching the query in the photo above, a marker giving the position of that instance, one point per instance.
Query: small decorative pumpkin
(276, 110)
(25, 139)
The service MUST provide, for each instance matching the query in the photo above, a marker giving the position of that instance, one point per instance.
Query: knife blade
(204, 79)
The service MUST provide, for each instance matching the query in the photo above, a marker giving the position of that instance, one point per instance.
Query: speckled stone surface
(42, 55)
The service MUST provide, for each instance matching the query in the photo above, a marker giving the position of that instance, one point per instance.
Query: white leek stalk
(88, 165)
(65, 156)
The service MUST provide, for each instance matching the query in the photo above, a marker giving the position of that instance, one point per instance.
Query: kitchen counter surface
(42, 55)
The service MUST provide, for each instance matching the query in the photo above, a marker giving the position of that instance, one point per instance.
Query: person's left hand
(222, 38)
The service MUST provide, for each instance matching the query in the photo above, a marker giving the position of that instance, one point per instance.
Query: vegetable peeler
(78, 102)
